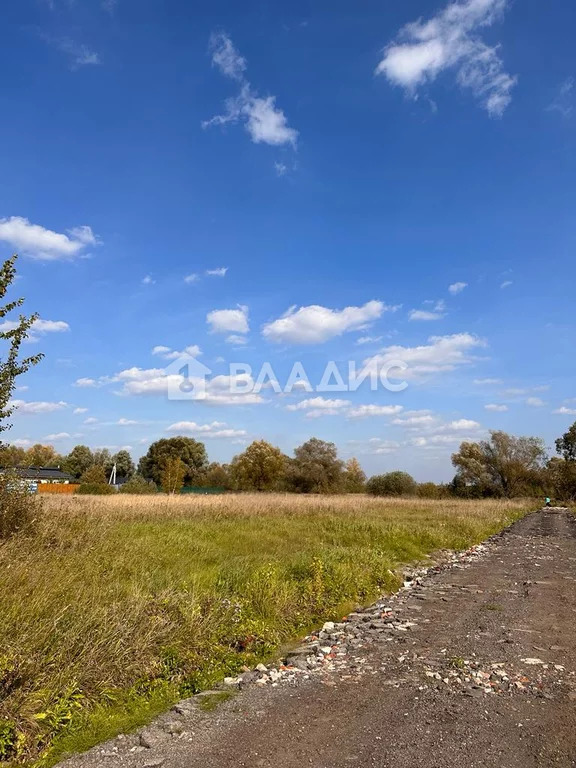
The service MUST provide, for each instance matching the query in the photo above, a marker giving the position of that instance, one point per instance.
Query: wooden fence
(58, 487)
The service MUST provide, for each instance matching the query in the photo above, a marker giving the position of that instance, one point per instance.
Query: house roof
(40, 473)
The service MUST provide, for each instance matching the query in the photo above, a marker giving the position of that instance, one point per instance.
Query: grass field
(118, 606)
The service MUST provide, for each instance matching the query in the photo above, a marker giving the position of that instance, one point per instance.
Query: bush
(96, 489)
(139, 485)
(19, 507)
(392, 484)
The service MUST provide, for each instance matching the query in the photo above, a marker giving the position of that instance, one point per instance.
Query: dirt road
(476, 666)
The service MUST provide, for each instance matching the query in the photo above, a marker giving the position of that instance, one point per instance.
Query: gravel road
(473, 664)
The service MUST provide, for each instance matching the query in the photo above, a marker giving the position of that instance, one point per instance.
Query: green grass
(118, 606)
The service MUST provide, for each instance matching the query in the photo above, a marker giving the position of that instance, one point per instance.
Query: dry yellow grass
(119, 605)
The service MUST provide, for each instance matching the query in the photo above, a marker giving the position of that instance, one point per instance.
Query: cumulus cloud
(496, 407)
(320, 406)
(43, 244)
(316, 324)
(58, 436)
(171, 354)
(216, 429)
(361, 411)
(228, 320)
(564, 411)
(450, 40)
(506, 284)
(29, 407)
(264, 121)
(78, 411)
(192, 278)
(535, 402)
(441, 354)
(38, 328)
(86, 383)
(217, 272)
(218, 390)
(457, 288)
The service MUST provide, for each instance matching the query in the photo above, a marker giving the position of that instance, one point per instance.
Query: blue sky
(320, 182)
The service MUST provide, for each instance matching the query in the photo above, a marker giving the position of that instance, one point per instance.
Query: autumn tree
(14, 334)
(316, 468)
(43, 456)
(172, 474)
(94, 475)
(259, 467)
(504, 465)
(191, 453)
(354, 478)
(12, 456)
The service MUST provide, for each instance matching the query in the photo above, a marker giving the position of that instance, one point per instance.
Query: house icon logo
(186, 379)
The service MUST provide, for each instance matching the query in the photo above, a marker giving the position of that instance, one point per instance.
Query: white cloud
(449, 40)
(442, 354)
(192, 278)
(148, 280)
(535, 402)
(228, 320)
(171, 354)
(37, 407)
(281, 169)
(36, 242)
(126, 422)
(457, 288)
(236, 340)
(38, 328)
(564, 411)
(412, 421)
(319, 406)
(217, 272)
(79, 54)
(487, 382)
(376, 446)
(564, 100)
(91, 420)
(424, 315)
(263, 120)
(368, 340)
(86, 383)
(361, 411)
(496, 407)
(216, 430)
(506, 284)
(316, 324)
(220, 390)
(226, 58)
(58, 436)
(78, 411)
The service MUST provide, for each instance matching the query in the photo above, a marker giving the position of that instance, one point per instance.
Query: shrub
(391, 484)
(96, 489)
(139, 485)
(19, 508)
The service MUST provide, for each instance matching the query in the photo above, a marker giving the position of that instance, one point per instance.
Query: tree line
(501, 466)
